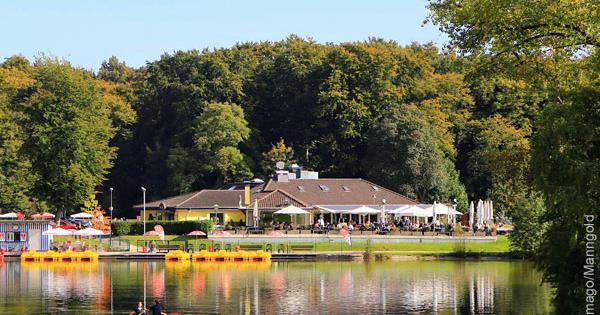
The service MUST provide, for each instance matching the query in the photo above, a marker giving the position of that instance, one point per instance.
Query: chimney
(247, 195)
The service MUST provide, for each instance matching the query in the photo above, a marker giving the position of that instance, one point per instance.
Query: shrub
(458, 230)
(460, 249)
(120, 228)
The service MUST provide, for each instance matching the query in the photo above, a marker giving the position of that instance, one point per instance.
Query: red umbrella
(36, 216)
(47, 215)
(196, 234)
(275, 233)
(221, 233)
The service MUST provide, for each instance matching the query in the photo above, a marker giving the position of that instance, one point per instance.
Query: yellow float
(53, 256)
(177, 255)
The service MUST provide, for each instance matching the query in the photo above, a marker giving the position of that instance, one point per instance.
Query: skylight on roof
(324, 187)
(301, 189)
(346, 188)
(375, 188)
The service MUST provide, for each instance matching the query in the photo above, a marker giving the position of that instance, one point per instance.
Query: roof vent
(375, 188)
(301, 189)
(346, 188)
(324, 187)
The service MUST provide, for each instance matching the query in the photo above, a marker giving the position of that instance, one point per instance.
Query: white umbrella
(492, 210)
(480, 212)
(291, 210)
(89, 232)
(10, 215)
(414, 211)
(397, 210)
(363, 210)
(471, 213)
(58, 231)
(486, 211)
(255, 212)
(441, 208)
(435, 210)
(382, 213)
(82, 215)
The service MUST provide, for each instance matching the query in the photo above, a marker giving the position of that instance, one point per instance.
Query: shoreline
(325, 256)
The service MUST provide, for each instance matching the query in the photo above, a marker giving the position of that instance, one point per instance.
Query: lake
(394, 287)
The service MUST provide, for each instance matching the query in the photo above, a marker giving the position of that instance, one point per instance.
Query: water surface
(393, 287)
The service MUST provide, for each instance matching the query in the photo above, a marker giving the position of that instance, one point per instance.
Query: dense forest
(509, 111)
(415, 119)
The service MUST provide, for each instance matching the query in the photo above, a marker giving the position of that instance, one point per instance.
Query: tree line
(430, 124)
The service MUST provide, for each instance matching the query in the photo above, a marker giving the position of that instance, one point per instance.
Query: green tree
(220, 129)
(279, 152)
(69, 128)
(566, 162)
(552, 45)
(406, 155)
(115, 71)
(15, 168)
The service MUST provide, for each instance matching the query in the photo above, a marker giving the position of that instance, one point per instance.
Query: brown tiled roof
(276, 199)
(203, 199)
(275, 194)
(342, 191)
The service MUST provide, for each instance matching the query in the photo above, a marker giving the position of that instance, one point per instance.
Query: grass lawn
(500, 246)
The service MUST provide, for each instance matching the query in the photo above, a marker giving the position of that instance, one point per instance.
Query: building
(331, 197)
(14, 234)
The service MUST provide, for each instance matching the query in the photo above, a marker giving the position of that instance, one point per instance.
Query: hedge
(171, 227)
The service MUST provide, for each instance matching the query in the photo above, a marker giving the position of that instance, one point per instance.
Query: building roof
(338, 191)
(276, 199)
(203, 199)
(298, 192)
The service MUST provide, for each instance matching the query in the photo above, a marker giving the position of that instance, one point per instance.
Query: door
(35, 238)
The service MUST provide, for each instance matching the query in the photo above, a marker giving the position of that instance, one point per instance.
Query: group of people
(154, 309)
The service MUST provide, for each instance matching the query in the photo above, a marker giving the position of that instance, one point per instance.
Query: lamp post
(111, 215)
(144, 202)
(454, 203)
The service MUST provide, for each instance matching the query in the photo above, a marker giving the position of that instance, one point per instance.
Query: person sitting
(157, 308)
(139, 309)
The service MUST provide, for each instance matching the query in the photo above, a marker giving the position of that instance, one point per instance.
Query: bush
(170, 227)
(460, 249)
(458, 230)
(120, 228)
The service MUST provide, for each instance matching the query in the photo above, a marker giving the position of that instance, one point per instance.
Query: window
(346, 188)
(375, 188)
(217, 218)
(301, 189)
(324, 187)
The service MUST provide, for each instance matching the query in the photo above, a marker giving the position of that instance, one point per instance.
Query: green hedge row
(171, 227)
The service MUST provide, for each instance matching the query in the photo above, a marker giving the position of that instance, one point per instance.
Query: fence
(160, 246)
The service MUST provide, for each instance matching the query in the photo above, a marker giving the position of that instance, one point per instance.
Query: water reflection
(445, 287)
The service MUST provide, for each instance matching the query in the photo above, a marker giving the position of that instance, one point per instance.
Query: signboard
(23, 236)
(2, 236)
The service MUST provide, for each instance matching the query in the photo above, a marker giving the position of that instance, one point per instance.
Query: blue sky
(86, 32)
